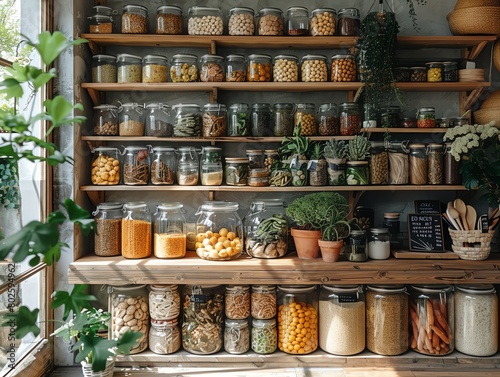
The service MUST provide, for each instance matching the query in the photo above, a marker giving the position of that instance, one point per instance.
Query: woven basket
(492, 101)
(107, 372)
(487, 115)
(471, 244)
(496, 55)
(476, 3)
(476, 20)
(471, 74)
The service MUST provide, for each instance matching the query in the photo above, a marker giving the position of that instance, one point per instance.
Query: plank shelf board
(223, 139)
(401, 130)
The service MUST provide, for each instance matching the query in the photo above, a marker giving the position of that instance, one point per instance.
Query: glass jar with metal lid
(103, 10)
(357, 247)
(350, 119)
(163, 166)
(169, 20)
(426, 117)
(418, 74)
(131, 117)
(434, 71)
(236, 336)
(435, 155)
(261, 119)
(100, 24)
(108, 229)
(323, 21)
(259, 67)
(105, 166)
(283, 119)
(211, 68)
(187, 120)
(297, 21)
(348, 22)
(285, 68)
(187, 166)
(264, 338)
(237, 301)
(342, 319)
(418, 164)
(104, 69)
(379, 243)
(263, 301)
(450, 71)
(328, 120)
(211, 174)
(398, 163)
(432, 319)
(158, 120)
(270, 21)
(129, 68)
(241, 21)
(211, 155)
(183, 68)
(357, 173)
(390, 117)
(255, 158)
(444, 122)
(164, 337)
(136, 230)
(238, 119)
(134, 19)
(164, 302)
(270, 157)
(305, 118)
(313, 68)
(205, 21)
(392, 223)
(169, 237)
(214, 120)
(343, 68)
(236, 171)
(106, 120)
(154, 69)
(236, 68)
(451, 167)
(379, 163)
(135, 165)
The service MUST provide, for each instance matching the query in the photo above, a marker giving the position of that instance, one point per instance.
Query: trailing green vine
(413, 13)
(9, 184)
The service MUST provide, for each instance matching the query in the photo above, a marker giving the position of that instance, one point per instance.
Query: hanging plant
(9, 184)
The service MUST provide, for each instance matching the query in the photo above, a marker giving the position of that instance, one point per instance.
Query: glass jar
(350, 119)
(270, 21)
(203, 318)
(401, 74)
(259, 67)
(399, 166)
(348, 22)
(164, 337)
(105, 166)
(100, 24)
(263, 301)
(426, 117)
(135, 165)
(343, 68)
(328, 120)
(434, 71)
(131, 117)
(451, 168)
(102, 10)
(255, 158)
(220, 231)
(450, 71)
(169, 20)
(104, 69)
(238, 119)
(418, 74)
(408, 123)
(435, 163)
(205, 21)
(379, 163)
(236, 171)
(283, 121)
(305, 119)
(183, 68)
(241, 21)
(313, 68)
(187, 122)
(323, 21)
(390, 118)
(211, 174)
(391, 223)
(342, 319)
(136, 230)
(106, 120)
(214, 120)
(264, 338)
(108, 229)
(158, 120)
(261, 120)
(164, 302)
(129, 68)
(129, 311)
(357, 247)
(270, 157)
(379, 243)
(444, 122)
(297, 301)
(236, 336)
(236, 68)
(369, 115)
(432, 317)
(285, 68)
(357, 173)
(134, 19)
(154, 69)
(169, 237)
(266, 229)
(365, 217)
(237, 301)
(187, 166)
(476, 319)
(387, 319)
(297, 21)
(418, 164)
(211, 68)
(163, 166)
(211, 155)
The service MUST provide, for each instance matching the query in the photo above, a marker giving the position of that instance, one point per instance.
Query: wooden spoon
(462, 210)
(471, 216)
(454, 216)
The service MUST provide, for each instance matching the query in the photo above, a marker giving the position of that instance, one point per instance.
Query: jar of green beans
(264, 336)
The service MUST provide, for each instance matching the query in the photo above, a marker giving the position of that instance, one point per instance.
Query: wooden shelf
(399, 130)
(225, 139)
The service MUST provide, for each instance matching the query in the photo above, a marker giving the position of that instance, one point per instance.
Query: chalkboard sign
(428, 206)
(425, 232)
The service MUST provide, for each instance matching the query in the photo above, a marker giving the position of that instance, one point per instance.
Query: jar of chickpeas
(323, 21)
(313, 68)
(259, 67)
(241, 21)
(434, 72)
(343, 68)
(304, 117)
(270, 21)
(106, 166)
(285, 68)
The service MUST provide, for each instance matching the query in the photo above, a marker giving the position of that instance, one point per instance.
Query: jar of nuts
(214, 120)
(261, 119)
(169, 20)
(106, 166)
(418, 74)
(154, 69)
(158, 120)
(135, 165)
(270, 21)
(348, 22)
(259, 67)
(297, 21)
(304, 117)
(434, 71)
(129, 68)
(270, 157)
(313, 68)
(350, 118)
(379, 163)
(236, 68)
(184, 68)
(343, 68)
(241, 21)
(211, 68)
(134, 19)
(285, 68)
(238, 120)
(328, 124)
(103, 68)
(283, 121)
(323, 21)
(101, 24)
(105, 120)
(131, 119)
(205, 21)
(136, 230)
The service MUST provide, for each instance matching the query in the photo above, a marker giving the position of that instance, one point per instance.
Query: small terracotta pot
(330, 250)
(306, 242)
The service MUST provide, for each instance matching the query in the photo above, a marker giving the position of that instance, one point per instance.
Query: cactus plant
(358, 148)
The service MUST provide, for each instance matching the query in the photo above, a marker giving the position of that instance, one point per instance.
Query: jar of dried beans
(297, 21)
(135, 165)
(205, 21)
(305, 118)
(105, 120)
(328, 120)
(285, 68)
(263, 301)
(237, 301)
(343, 68)
(379, 163)
(169, 237)
(164, 302)
(108, 229)
(211, 68)
(131, 116)
(350, 119)
(270, 21)
(101, 24)
(169, 20)
(313, 68)
(214, 120)
(105, 166)
(134, 19)
(136, 230)
(435, 163)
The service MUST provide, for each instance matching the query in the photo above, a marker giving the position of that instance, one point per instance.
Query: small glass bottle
(357, 248)
(154, 69)
(323, 22)
(259, 68)
(270, 21)
(238, 120)
(305, 118)
(350, 119)
(205, 21)
(169, 237)
(237, 301)
(104, 69)
(183, 68)
(297, 21)
(263, 301)
(379, 163)
(435, 163)
(187, 120)
(105, 166)
(379, 243)
(163, 166)
(164, 302)
(343, 68)
(451, 168)
(134, 19)
(105, 120)
(211, 68)
(241, 21)
(285, 68)
(187, 166)
(426, 117)
(164, 337)
(169, 20)
(136, 230)
(434, 71)
(313, 68)
(328, 120)
(236, 336)
(236, 68)
(283, 121)
(348, 22)
(236, 171)
(261, 120)
(214, 120)
(135, 165)
(158, 120)
(129, 68)
(131, 117)
(108, 229)
(418, 164)
(264, 338)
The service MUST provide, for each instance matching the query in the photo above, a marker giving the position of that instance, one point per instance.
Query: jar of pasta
(264, 338)
(343, 68)
(323, 21)
(187, 120)
(211, 68)
(164, 337)
(169, 20)
(164, 302)
(398, 163)
(183, 68)
(259, 67)
(105, 120)
(214, 120)
(236, 68)
(158, 120)
(136, 230)
(131, 117)
(241, 21)
(205, 21)
(134, 19)
(350, 119)
(313, 68)
(305, 119)
(263, 301)
(285, 68)
(435, 157)
(236, 336)
(418, 164)
(104, 68)
(105, 166)
(328, 120)
(108, 229)
(163, 166)
(154, 69)
(135, 165)
(129, 68)
(270, 21)
(169, 237)
(237, 301)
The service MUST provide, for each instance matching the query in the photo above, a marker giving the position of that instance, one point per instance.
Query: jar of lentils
(264, 338)
(241, 21)
(328, 120)
(343, 68)
(297, 19)
(238, 119)
(283, 119)
(348, 22)
(136, 230)
(154, 69)
(108, 229)
(313, 68)
(350, 119)
(129, 68)
(101, 24)
(164, 337)
(131, 116)
(285, 68)
(105, 166)
(259, 67)
(305, 118)
(236, 68)
(184, 68)
(105, 120)
(104, 69)
(323, 22)
(134, 19)
(205, 21)
(379, 163)
(169, 20)
(270, 21)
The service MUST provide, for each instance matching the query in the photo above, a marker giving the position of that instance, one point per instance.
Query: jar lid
(426, 109)
(102, 149)
(237, 288)
(327, 106)
(130, 104)
(184, 57)
(344, 56)
(164, 323)
(214, 106)
(127, 287)
(290, 9)
(220, 207)
(157, 105)
(234, 57)
(201, 8)
(349, 105)
(170, 206)
(416, 145)
(476, 288)
(182, 105)
(356, 232)
(389, 288)
(417, 68)
(434, 63)
(314, 57)
(286, 57)
(346, 12)
(305, 106)
(379, 230)
(236, 160)
(133, 6)
(210, 56)
(296, 288)
(134, 148)
(356, 163)
(101, 18)
(270, 202)
(186, 149)
(105, 107)
(256, 106)
(270, 151)
(351, 288)
(155, 58)
(236, 323)
(263, 322)
(283, 106)
(125, 57)
(450, 63)
(435, 288)
(103, 10)
(241, 9)
(163, 149)
(211, 149)
(263, 288)
(167, 8)
(110, 205)
(254, 152)
(259, 56)
(105, 58)
(324, 10)
(135, 205)
(391, 215)
(172, 287)
(270, 10)
(239, 106)
(435, 145)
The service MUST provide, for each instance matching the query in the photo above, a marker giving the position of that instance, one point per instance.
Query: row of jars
(432, 72)
(240, 21)
(342, 320)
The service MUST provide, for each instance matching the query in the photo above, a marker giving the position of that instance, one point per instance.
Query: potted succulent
(295, 151)
(318, 175)
(335, 152)
(357, 172)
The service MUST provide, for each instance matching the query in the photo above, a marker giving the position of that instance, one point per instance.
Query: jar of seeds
(328, 124)
(154, 69)
(205, 21)
(105, 120)
(435, 156)
(184, 68)
(129, 68)
(134, 19)
(169, 20)
(103, 69)
(187, 120)
(108, 229)
(135, 165)
(131, 119)
(241, 21)
(158, 122)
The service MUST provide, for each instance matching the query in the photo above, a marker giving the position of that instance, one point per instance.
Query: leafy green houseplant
(317, 166)
(335, 152)
(357, 168)
(294, 152)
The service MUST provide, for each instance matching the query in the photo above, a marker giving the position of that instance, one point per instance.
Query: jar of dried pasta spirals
(237, 301)
(164, 302)
(263, 301)
(135, 165)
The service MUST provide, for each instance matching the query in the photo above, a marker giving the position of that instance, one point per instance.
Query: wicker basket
(476, 20)
(471, 244)
(492, 101)
(476, 3)
(487, 115)
(496, 55)
(107, 372)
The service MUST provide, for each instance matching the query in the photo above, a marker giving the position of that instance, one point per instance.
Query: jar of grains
(348, 22)
(164, 302)
(241, 21)
(264, 338)
(343, 68)
(259, 67)
(205, 21)
(263, 301)
(135, 165)
(136, 230)
(432, 316)
(261, 119)
(450, 71)
(350, 118)
(183, 68)
(238, 119)
(255, 158)
(387, 319)
(108, 229)
(305, 119)
(169, 20)
(297, 21)
(211, 68)
(105, 120)
(270, 21)
(418, 164)
(158, 120)
(323, 21)
(134, 19)
(451, 167)
(236, 68)
(100, 24)
(129, 308)
(103, 68)
(398, 163)
(214, 120)
(379, 163)
(342, 319)
(313, 68)
(211, 174)
(105, 166)
(379, 243)
(426, 117)
(357, 173)
(435, 163)
(297, 301)
(328, 120)
(187, 122)
(187, 166)
(237, 301)
(169, 237)
(164, 337)
(129, 68)
(357, 250)
(434, 71)
(476, 319)
(163, 166)
(236, 336)
(285, 68)
(203, 318)
(283, 119)
(154, 69)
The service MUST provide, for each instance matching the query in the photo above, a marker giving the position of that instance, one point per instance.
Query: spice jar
(328, 120)
(270, 21)
(285, 68)
(134, 19)
(379, 163)
(203, 318)
(187, 166)
(323, 21)
(108, 229)
(426, 117)
(418, 164)
(451, 167)
(398, 163)
(205, 21)
(261, 119)
(103, 69)
(432, 316)
(342, 319)
(100, 24)
(350, 119)
(435, 163)
(450, 71)
(259, 68)
(379, 243)
(129, 68)
(236, 171)
(357, 173)
(348, 22)
(163, 166)
(313, 68)
(434, 71)
(169, 20)
(238, 119)
(136, 230)
(214, 120)
(218, 220)
(297, 21)
(169, 237)
(236, 336)
(263, 301)
(305, 119)
(105, 166)
(387, 319)
(418, 74)
(356, 249)
(129, 308)
(264, 338)
(131, 119)
(154, 69)
(297, 301)
(343, 68)
(236, 68)
(164, 302)
(135, 165)
(241, 21)
(476, 319)
(164, 337)
(187, 122)
(211, 68)
(237, 301)
(283, 120)
(105, 120)
(183, 68)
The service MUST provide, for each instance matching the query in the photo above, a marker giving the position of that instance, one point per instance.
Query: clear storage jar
(283, 119)
(408, 122)
(105, 166)
(164, 302)
(214, 120)
(108, 229)
(169, 237)
(305, 118)
(187, 166)
(187, 120)
(203, 318)
(164, 337)
(391, 223)
(379, 163)
(105, 120)
(102, 10)
(238, 119)
(220, 231)
(379, 243)
(357, 173)
(236, 68)
(451, 167)
(183, 68)
(270, 21)
(104, 69)
(342, 319)
(390, 117)
(154, 69)
(450, 71)
(169, 20)
(131, 117)
(236, 336)
(163, 166)
(211, 174)
(255, 158)
(205, 21)
(418, 164)
(297, 301)
(285, 68)
(136, 230)
(343, 68)
(435, 163)
(129, 310)
(434, 71)
(399, 166)
(261, 120)
(348, 22)
(401, 74)
(100, 24)
(270, 157)
(350, 119)
(328, 120)
(313, 68)
(297, 21)
(237, 301)
(211, 68)
(264, 337)
(241, 21)
(210, 155)
(236, 171)
(135, 165)
(158, 120)
(357, 247)
(418, 74)
(134, 19)
(263, 301)
(259, 68)
(129, 68)
(323, 22)
(426, 117)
